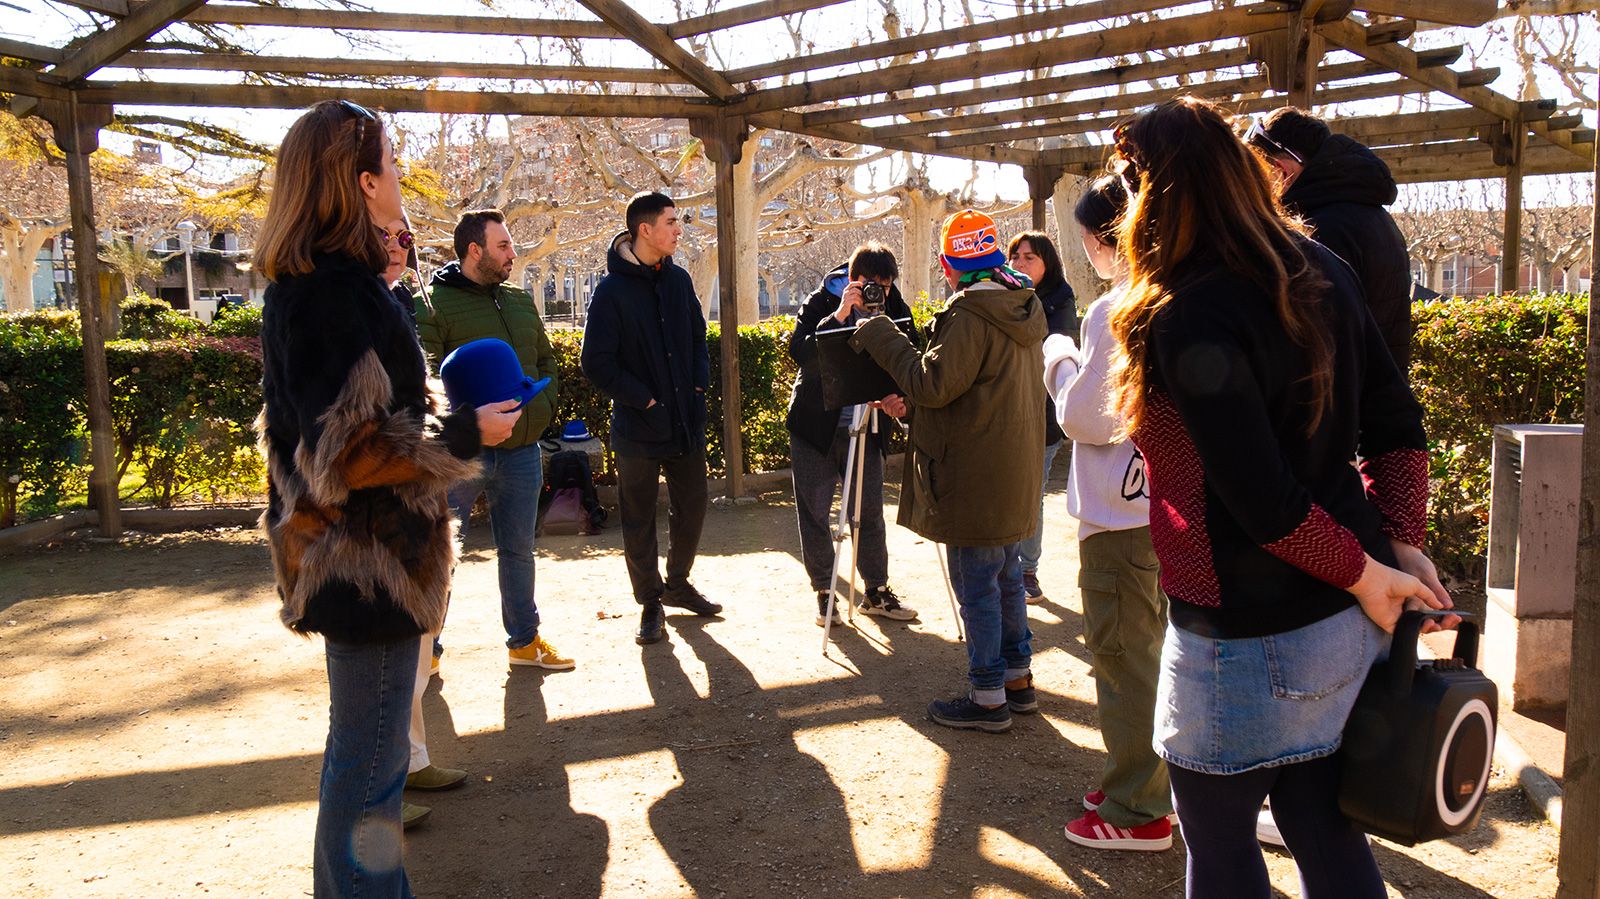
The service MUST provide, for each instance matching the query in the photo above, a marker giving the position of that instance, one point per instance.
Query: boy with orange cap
(973, 472)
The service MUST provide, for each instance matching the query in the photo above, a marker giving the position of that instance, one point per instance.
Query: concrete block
(1529, 659)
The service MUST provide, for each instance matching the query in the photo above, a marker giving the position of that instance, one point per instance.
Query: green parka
(460, 311)
(974, 468)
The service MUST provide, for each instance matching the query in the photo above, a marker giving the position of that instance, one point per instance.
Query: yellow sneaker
(540, 654)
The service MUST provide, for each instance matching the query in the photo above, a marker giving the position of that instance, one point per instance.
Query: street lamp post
(186, 229)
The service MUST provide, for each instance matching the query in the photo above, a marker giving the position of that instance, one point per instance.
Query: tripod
(863, 420)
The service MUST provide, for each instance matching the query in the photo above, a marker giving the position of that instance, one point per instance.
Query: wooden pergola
(1039, 90)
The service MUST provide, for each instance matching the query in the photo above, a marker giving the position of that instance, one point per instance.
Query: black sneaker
(1030, 587)
(882, 602)
(685, 596)
(1023, 699)
(652, 621)
(964, 714)
(822, 610)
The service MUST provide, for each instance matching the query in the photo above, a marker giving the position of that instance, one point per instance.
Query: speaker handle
(1403, 652)
(1403, 648)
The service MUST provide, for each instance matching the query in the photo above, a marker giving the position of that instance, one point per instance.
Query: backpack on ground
(568, 503)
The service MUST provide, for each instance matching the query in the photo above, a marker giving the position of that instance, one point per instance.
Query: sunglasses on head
(1125, 164)
(405, 239)
(1257, 136)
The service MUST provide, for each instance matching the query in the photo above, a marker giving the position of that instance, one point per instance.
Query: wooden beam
(351, 20)
(659, 44)
(1400, 59)
(1511, 252)
(1126, 73)
(1369, 128)
(118, 8)
(1142, 37)
(105, 46)
(849, 132)
(1391, 32)
(400, 68)
(1094, 105)
(31, 52)
(723, 138)
(252, 96)
(1439, 56)
(1449, 12)
(961, 36)
(1368, 91)
(29, 88)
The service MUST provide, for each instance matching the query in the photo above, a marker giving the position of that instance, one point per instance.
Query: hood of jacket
(621, 261)
(1341, 171)
(1017, 314)
(452, 276)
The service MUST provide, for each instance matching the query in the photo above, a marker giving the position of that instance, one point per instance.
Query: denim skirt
(1230, 706)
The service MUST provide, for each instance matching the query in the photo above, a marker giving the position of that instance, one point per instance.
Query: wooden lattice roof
(1037, 89)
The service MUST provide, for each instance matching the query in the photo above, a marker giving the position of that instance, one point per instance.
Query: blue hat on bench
(486, 371)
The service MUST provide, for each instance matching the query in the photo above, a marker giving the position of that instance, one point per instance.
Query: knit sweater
(1106, 484)
(1260, 527)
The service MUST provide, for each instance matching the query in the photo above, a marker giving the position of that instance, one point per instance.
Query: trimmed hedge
(1481, 362)
(184, 403)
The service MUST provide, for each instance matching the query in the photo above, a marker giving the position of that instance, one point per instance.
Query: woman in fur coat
(357, 470)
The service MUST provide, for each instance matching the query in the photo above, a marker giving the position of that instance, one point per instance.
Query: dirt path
(162, 735)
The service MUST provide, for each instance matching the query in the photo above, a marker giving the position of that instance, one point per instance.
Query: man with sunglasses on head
(1341, 188)
(470, 301)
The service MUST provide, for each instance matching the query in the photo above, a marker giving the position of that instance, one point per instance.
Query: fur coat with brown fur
(357, 465)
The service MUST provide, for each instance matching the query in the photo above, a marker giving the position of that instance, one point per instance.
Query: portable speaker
(1419, 741)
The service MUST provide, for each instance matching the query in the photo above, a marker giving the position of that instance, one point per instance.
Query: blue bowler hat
(486, 371)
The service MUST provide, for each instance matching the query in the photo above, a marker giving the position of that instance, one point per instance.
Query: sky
(841, 25)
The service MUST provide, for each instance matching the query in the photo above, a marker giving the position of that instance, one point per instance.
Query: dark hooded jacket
(646, 340)
(1342, 193)
(974, 470)
(808, 420)
(1061, 315)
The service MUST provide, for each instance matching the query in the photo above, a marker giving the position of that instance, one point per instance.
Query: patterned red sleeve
(1322, 548)
(1397, 484)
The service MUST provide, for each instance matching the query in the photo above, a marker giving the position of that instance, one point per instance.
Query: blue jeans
(358, 844)
(512, 478)
(1033, 544)
(988, 585)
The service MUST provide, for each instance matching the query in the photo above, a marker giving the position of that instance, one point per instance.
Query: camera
(872, 297)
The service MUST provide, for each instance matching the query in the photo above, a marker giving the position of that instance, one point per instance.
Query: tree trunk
(19, 254)
(925, 211)
(1086, 283)
(747, 218)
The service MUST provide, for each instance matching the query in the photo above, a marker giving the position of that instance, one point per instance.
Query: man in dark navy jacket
(645, 348)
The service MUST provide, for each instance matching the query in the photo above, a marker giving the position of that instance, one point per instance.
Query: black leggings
(1218, 815)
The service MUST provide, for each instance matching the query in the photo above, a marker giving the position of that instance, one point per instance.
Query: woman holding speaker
(357, 471)
(1251, 377)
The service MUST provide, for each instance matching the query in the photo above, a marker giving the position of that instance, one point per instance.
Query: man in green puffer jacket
(471, 301)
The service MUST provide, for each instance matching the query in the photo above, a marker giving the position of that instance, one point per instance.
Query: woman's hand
(496, 421)
(1415, 562)
(1385, 592)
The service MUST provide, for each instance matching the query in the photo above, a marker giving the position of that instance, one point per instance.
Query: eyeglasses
(1257, 136)
(363, 116)
(404, 239)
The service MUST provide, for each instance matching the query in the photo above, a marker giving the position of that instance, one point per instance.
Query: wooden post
(77, 132)
(1508, 152)
(1042, 180)
(1578, 866)
(723, 138)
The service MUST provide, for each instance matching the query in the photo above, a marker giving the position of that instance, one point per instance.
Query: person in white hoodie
(1124, 610)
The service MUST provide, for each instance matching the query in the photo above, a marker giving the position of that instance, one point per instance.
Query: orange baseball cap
(970, 241)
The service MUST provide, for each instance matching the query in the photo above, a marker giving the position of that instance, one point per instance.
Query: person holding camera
(974, 469)
(819, 437)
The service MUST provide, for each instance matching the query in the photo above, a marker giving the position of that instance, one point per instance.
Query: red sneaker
(1091, 831)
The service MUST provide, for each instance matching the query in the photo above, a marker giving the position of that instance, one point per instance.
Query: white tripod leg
(858, 448)
(839, 531)
(940, 551)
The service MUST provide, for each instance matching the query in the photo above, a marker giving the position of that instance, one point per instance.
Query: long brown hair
(317, 205)
(1198, 195)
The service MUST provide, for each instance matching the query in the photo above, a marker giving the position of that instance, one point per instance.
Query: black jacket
(807, 419)
(646, 340)
(1342, 194)
(1061, 315)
